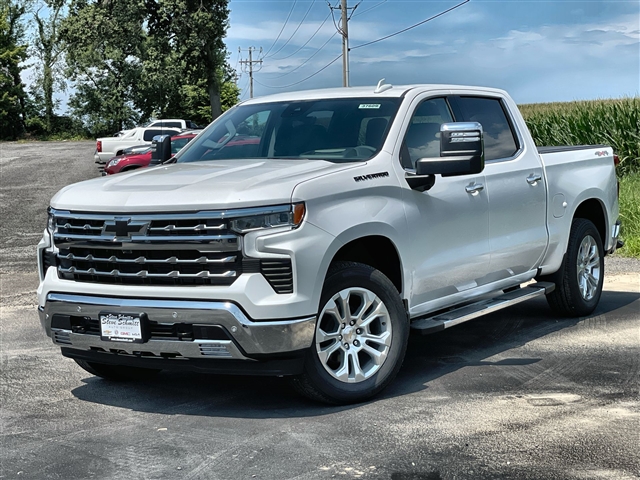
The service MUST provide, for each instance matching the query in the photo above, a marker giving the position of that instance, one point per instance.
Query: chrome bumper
(248, 338)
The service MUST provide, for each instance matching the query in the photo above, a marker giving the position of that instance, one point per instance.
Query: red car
(131, 161)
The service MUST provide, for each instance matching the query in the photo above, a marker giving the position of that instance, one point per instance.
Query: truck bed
(567, 148)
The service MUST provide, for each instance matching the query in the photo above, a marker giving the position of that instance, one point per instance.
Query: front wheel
(580, 279)
(360, 339)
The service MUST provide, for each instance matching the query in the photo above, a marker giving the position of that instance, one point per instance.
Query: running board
(469, 312)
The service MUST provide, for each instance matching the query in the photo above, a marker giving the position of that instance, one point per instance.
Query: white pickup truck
(108, 147)
(306, 234)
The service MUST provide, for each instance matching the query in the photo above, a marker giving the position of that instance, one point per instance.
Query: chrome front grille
(148, 267)
(87, 224)
(147, 249)
(157, 249)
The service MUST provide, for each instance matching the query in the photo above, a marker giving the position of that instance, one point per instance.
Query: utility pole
(345, 43)
(343, 30)
(248, 66)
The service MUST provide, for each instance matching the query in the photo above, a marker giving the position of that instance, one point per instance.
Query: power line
(370, 8)
(412, 26)
(304, 79)
(244, 89)
(294, 32)
(307, 42)
(307, 60)
(282, 29)
(235, 69)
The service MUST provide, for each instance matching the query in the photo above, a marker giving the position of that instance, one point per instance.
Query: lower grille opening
(279, 274)
(156, 331)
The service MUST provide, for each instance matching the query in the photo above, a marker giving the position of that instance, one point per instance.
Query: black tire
(316, 382)
(118, 373)
(567, 299)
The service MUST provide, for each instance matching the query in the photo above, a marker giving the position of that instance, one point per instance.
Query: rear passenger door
(514, 181)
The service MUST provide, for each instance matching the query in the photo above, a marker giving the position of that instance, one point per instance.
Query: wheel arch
(377, 251)
(593, 209)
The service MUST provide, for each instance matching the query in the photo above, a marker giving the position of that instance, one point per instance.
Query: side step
(469, 312)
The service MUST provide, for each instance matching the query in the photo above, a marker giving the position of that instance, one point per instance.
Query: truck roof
(391, 91)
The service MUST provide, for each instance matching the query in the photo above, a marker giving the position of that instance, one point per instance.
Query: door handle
(534, 178)
(474, 188)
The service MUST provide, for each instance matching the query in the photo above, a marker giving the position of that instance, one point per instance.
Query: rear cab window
(500, 140)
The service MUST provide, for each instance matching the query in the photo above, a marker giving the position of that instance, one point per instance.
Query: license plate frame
(122, 327)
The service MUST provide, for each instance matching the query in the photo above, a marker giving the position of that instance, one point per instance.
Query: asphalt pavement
(519, 394)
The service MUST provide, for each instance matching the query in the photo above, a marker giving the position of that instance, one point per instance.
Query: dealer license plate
(121, 327)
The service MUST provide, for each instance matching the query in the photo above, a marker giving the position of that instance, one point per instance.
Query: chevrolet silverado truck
(357, 216)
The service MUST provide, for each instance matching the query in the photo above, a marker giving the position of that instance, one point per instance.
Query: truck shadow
(428, 358)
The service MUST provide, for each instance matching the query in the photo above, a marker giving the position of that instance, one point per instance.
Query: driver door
(448, 224)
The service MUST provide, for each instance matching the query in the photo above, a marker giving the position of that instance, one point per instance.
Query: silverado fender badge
(371, 176)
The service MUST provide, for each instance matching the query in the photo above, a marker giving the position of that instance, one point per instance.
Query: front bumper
(65, 316)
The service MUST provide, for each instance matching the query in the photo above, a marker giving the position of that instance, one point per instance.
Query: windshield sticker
(370, 106)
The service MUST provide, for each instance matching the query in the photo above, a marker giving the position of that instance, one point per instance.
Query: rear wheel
(117, 372)
(360, 339)
(580, 279)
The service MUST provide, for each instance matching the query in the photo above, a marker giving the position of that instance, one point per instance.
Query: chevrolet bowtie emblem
(124, 228)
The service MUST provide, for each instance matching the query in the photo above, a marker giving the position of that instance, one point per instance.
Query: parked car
(108, 147)
(140, 159)
(173, 123)
(164, 123)
(353, 217)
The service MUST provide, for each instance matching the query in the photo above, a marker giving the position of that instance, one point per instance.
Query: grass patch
(630, 214)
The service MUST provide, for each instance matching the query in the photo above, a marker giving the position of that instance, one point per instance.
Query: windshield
(349, 129)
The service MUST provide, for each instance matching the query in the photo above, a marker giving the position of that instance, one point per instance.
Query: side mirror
(160, 149)
(461, 151)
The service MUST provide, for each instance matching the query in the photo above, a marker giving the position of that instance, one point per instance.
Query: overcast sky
(539, 51)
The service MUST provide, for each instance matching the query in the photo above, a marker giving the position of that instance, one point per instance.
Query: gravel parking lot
(519, 394)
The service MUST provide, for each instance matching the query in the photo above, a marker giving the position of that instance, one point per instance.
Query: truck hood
(195, 186)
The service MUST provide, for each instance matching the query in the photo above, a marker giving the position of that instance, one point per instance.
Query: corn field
(609, 122)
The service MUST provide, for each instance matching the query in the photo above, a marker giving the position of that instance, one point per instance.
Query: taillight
(99, 146)
(616, 160)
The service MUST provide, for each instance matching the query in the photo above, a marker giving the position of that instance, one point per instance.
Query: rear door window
(499, 138)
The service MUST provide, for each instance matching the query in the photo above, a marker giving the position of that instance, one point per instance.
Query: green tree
(12, 53)
(48, 48)
(105, 43)
(131, 60)
(194, 30)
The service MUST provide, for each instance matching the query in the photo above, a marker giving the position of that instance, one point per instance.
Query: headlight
(113, 162)
(280, 216)
(51, 222)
